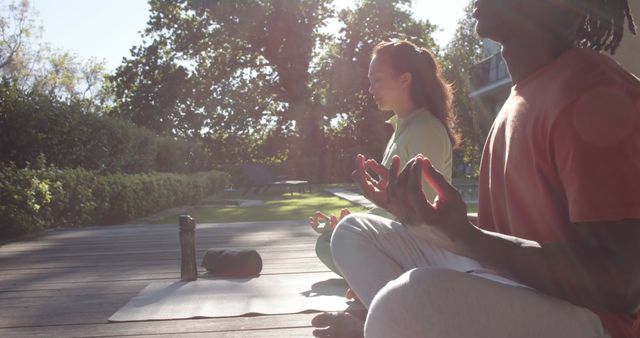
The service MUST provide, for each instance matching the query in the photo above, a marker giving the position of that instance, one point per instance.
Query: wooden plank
(143, 263)
(97, 250)
(156, 238)
(68, 310)
(229, 325)
(266, 333)
(68, 282)
(168, 251)
(10, 282)
(70, 304)
(68, 292)
(123, 230)
(48, 285)
(136, 269)
(46, 316)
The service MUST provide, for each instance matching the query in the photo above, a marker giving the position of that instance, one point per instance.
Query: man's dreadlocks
(602, 25)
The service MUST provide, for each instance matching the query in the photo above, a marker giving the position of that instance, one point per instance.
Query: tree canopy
(32, 65)
(274, 81)
(264, 79)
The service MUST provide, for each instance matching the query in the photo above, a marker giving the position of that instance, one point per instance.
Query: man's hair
(602, 24)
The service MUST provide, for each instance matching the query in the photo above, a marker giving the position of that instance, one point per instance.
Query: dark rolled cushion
(232, 263)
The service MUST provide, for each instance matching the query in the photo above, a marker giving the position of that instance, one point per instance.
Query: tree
(260, 79)
(225, 69)
(16, 28)
(462, 53)
(32, 65)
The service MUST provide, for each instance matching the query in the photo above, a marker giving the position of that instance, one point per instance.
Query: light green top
(419, 133)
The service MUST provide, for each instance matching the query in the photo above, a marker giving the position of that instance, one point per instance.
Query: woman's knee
(348, 229)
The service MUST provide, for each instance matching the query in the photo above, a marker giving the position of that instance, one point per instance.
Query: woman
(406, 80)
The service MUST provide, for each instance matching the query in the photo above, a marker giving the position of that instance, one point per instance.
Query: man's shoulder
(602, 101)
(596, 68)
(583, 71)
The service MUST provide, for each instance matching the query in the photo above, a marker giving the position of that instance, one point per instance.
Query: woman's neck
(405, 109)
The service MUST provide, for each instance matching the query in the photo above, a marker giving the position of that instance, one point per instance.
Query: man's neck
(524, 57)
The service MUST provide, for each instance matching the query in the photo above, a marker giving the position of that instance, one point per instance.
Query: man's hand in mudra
(443, 223)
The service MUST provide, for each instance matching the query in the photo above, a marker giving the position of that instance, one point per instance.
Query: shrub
(36, 199)
(34, 123)
(24, 197)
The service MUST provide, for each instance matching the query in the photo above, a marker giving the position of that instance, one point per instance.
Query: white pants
(414, 290)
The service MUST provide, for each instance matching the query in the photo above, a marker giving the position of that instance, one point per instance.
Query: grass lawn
(278, 206)
(472, 207)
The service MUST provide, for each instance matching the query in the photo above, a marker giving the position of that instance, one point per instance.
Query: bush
(33, 123)
(36, 199)
(24, 197)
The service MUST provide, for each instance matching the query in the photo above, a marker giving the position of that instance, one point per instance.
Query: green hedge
(34, 124)
(32, 200)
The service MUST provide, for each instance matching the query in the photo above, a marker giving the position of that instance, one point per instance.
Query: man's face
(504, 20)
(497, 19)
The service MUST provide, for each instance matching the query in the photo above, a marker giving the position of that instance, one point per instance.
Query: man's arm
(601, 271)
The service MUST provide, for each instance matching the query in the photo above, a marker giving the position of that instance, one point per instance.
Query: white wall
(628, 54)
(489, 47)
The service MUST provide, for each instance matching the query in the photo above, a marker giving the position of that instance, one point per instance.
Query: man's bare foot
(338, 324)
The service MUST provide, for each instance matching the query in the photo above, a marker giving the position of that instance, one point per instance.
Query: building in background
(490, 80)
(491, 84)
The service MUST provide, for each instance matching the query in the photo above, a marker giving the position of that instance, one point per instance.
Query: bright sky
(107, 29)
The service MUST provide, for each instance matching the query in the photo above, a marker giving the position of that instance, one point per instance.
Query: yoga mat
(267, 294)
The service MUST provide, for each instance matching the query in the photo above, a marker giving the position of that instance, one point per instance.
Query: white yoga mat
(269, 294)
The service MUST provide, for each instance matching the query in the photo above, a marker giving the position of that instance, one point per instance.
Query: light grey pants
(414, 290)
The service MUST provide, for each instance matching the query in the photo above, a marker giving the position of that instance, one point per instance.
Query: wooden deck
(66, 283)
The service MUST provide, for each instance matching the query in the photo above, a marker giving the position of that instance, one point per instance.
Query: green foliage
(258, 79)
(40, 198)
(34, 123)
(233, 72)
(462, 53)
(31, 64)
(23, 200)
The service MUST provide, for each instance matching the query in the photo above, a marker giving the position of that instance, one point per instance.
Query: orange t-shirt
(564, 149)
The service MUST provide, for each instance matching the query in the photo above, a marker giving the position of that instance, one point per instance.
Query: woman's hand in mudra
(328, 222)
(373, 189)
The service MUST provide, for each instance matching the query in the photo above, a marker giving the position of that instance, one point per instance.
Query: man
(556, 249)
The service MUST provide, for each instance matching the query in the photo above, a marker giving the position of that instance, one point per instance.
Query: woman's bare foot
(351, 295)
(338, 324)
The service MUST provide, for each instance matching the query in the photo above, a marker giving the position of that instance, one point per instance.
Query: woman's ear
(405, 79)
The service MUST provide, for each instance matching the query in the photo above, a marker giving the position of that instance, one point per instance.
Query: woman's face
(389, 90)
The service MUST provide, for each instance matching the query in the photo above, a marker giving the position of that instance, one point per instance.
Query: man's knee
(422, 287)
(420, 299)
(447, 303)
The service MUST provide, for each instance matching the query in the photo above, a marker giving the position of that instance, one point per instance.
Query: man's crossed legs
(414, 290)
